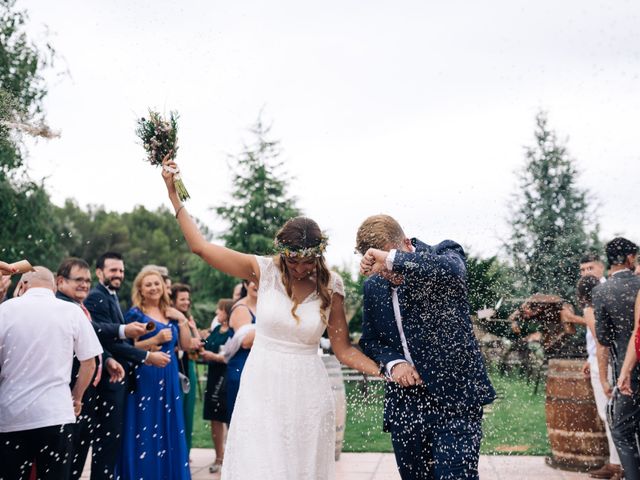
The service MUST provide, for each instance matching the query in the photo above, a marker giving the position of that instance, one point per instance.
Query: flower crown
(294, 252)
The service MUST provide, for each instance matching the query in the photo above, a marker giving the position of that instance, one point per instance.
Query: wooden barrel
(337, 385)
(576, 433)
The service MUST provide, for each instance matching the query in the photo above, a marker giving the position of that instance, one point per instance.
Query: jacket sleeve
(604, 327)
(372, 343)
(108, 331)
(448, 263)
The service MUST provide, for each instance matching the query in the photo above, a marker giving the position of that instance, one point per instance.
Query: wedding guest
(238, 292)
(6, 269)
(181, 300)
(597, 356)
(586, 284)
(632, 355)
(614, 303)
(164, 271)
(5, 283)
(215, 405)
(39, 335)
(73, 280)
(153, 437)
(242, 321)
(104, 306)
(284, 418)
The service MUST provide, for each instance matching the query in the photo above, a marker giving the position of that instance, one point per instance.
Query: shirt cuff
(390, 258)
(392, 364)
(121, 334)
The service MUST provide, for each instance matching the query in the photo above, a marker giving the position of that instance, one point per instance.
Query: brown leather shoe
(608, 470)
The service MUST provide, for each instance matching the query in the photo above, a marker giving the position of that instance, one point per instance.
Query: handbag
(185, 383)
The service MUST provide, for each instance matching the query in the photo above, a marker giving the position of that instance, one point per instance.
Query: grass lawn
(513, 425)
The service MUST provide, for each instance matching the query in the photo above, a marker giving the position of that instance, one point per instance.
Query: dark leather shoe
(608, 471)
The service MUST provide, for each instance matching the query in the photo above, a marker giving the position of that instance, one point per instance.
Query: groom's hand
(405, 375)
(373, 261)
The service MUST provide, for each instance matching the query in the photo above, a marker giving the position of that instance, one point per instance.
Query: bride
(283, 424)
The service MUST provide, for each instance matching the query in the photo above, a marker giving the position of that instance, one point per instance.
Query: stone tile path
(382, 466)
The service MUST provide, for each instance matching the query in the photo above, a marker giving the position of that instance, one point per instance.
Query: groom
(416, 325)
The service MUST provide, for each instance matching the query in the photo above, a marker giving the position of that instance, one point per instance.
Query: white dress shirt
(398, 316)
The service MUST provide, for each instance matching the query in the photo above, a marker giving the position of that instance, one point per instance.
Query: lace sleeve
(267, 272)
(337, 285)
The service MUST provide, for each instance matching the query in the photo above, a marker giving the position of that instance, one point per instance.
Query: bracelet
(179, 210)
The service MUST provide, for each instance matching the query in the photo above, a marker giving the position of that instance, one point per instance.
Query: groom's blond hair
(379, 231)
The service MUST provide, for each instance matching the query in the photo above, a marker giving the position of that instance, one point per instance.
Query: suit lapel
(115, 305)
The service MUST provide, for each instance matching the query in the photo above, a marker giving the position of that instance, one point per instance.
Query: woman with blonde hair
(154, 443)
(284, 419)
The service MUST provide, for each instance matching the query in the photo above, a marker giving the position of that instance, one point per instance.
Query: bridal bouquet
(159, 138)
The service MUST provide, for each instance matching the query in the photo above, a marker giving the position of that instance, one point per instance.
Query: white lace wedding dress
(283, 425)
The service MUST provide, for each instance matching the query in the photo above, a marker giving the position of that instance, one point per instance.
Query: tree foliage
(22, 85)
(488, 281)
(552, 223)
(260, 202)
(259, 206)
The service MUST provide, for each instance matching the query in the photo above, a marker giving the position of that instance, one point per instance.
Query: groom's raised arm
(444, 263)
(372, 341)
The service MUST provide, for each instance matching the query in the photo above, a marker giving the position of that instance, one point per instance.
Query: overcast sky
(418, 109)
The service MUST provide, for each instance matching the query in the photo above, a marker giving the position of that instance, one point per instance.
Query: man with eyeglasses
(73, 280)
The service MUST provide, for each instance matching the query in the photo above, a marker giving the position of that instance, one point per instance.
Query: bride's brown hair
(300, 233)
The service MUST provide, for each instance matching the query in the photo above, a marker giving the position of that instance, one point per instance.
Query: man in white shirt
(39, 335)
(590, 264)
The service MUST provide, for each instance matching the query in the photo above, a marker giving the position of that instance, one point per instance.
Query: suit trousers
(601, 406)
(432, 442)
(50, 447)
(625, 430)
(83, 432)
(107, 437)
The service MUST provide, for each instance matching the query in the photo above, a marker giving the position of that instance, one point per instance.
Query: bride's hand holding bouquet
(159, 138)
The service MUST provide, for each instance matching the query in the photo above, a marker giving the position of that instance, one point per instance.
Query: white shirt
(38, 337)
(398, 316)
(591, 343)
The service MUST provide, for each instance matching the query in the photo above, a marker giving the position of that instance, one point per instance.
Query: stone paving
(382, 466)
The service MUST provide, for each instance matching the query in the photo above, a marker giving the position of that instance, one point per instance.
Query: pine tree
(260, 203)
(260, 206)
(552, 223)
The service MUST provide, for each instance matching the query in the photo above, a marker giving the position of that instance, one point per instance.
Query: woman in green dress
(214, 408)
(181, 299)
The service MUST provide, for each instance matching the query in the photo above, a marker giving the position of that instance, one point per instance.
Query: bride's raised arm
(236, 264)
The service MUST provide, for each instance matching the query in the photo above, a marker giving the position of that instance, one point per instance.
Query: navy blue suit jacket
(107, 318)
(436, 323)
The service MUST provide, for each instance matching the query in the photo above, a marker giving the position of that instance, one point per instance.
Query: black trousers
(625, 432)
(107, 431)
(50, 447)
(83, 433)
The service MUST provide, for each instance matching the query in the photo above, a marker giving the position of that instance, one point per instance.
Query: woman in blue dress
(154, 444)
(236, 352)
